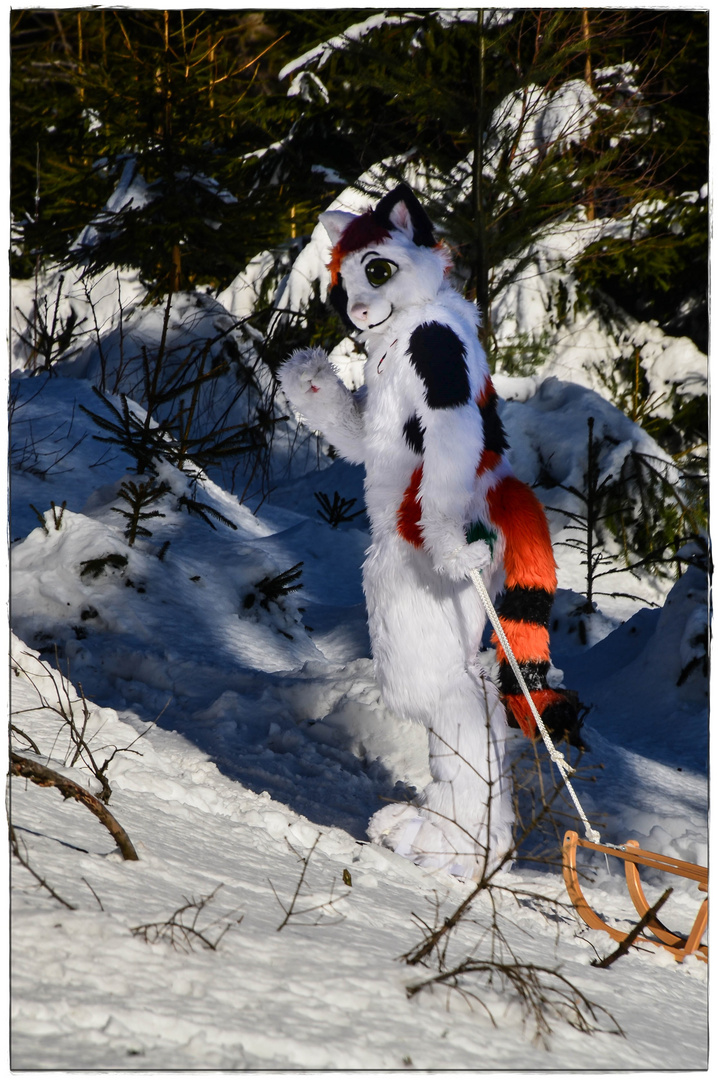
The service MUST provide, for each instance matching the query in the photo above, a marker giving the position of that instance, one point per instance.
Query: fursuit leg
(425, 634)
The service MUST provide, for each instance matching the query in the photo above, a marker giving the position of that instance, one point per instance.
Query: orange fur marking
(359, 233)
(527, 640)
(518, 707)
(487, 462)
(528, 555)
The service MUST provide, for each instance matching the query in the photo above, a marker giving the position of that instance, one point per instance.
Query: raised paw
(307, 371)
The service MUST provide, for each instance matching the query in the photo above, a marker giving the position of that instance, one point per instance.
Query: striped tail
(525, 609)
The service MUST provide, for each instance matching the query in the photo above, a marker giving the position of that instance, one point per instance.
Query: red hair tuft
(359, 233)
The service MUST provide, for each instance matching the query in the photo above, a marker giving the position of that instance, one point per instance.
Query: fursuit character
(441, 499)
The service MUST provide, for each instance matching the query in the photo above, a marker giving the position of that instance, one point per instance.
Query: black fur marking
(414, 434)
(564, 719)
(533, 671)
(339, 300)
(526, 605)
(494, 434)
(423, 231)
(439, 357)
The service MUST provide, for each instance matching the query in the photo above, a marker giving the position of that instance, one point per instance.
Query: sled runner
(633, 856)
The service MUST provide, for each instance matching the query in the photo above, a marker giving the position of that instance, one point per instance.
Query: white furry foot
(407, 832)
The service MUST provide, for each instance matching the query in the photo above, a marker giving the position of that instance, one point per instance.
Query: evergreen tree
(458, 95)
(163, 108)
(228, 159)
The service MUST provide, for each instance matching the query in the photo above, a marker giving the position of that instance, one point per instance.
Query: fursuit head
(442, 500)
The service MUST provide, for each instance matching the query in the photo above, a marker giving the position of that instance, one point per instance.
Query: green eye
(378, 271)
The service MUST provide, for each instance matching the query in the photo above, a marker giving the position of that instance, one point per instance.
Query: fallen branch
(625, 945)
(44, 777)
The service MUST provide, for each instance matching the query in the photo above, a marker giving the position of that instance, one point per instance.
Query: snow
(241, 297)
(249, 738)
(566, 119)
(131, 192)
(308, 86)
(290, 1000)
(322, 52)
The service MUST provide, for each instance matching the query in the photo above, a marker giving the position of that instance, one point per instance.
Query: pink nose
(359, 312)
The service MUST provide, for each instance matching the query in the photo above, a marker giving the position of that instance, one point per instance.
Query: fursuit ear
(401, 210)
(335, 222)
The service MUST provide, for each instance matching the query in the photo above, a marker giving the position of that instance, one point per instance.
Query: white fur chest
(393, 395)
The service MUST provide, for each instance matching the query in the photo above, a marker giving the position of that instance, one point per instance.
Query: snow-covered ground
(249, 744)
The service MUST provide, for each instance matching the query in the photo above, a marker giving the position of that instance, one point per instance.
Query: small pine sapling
(56, 516)
(274, 588)
(95, 567)
(642, 506)
(47, 336)
(139, 496)
(137, 438)
(587, 522)
(336, 511)
(204, 511)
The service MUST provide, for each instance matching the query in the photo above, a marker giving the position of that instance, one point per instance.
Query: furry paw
(307, 372)
(456, 564)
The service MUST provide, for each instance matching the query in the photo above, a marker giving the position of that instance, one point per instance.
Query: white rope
(556, 756)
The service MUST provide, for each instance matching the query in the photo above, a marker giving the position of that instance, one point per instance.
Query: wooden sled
(633, 857)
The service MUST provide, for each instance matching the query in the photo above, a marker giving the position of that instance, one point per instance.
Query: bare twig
(181, 934)
(23, 735)
(544, 992)
(23, 860)
(94, 893)
(292, 911)
(64, 708)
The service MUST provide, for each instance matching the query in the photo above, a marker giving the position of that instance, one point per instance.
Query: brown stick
(44, 777)
(624, 946)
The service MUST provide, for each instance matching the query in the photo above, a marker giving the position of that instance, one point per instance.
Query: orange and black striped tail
(524, 612)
